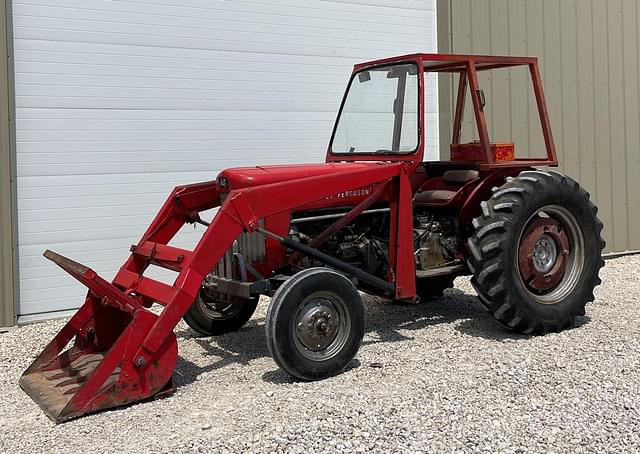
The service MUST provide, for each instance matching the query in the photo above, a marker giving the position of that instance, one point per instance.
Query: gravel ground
(438, 377)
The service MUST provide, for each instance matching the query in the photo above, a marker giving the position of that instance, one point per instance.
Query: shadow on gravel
(486, 327)
(240, 347)
(280, 377)
(386, 321)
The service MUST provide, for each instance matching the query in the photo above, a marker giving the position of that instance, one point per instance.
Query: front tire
(536, 252)
(315, 324)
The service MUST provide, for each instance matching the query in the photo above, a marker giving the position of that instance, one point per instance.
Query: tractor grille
(250, 245)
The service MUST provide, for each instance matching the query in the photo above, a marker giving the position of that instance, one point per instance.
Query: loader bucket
(90, 365)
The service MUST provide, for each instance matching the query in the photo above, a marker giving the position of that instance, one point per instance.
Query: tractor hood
(243, 177)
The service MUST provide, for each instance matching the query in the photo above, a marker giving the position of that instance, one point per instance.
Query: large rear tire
(315, 324)
(209, 316)
(536, 252)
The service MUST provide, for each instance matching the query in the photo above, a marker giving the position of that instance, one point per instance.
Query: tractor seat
(442, 196)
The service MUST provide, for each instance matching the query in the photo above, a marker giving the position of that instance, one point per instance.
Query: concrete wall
(7, 257)
(589, 54)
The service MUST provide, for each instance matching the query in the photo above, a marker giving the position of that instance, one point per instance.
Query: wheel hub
(545, 254)
(542, 255)
(317, 324)
(217, 309)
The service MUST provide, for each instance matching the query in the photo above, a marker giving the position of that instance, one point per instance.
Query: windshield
(380, 113)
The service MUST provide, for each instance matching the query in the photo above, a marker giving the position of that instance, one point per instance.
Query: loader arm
(122, 352)
(241, 210)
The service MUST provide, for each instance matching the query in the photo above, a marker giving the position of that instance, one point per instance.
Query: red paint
(245, 177)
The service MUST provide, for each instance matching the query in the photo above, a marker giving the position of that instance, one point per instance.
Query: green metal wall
(589, 54)
(7, 220)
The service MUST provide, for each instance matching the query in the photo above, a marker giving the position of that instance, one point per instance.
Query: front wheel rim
(321, 326)
(551, 254)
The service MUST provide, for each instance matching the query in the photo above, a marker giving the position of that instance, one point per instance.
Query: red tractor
(375, 217)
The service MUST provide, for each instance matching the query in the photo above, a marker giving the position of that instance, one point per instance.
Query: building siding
(7, 288)
(589, 58)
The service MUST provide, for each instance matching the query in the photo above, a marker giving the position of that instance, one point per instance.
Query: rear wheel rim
(321, 326)
(551, 254)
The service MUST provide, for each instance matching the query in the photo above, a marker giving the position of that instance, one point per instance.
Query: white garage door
(119, 101)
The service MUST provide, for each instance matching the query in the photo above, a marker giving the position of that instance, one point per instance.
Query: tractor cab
(382, 115)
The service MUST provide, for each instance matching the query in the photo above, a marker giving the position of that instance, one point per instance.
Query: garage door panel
(177, 134)
(108, 55)
(82, 232)
(135, 168)
(68, 292)
(91, 158)
(92, 30)
(115, 200)
(127, 74)
(229, 80)
(72, 190)
(193, 124)
(317, 14)
(168, 146)
(83, 102)
(231, 42)
(362, 12)
(118, 180)
(40, 276)
(43, 276)
(53, 227)
(170, 95)
(83, 215)
(83, 251)
(147, 210)
(88, 252)
(44, 306)
(236, 20)
(168, 115)
(118, 102)
(59, 286)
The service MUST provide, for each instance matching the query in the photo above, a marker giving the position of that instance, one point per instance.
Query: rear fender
(471, 207)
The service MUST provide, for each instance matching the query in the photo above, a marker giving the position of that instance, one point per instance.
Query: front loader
(374, 218)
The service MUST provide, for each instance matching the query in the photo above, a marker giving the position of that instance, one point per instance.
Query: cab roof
(453, 62)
